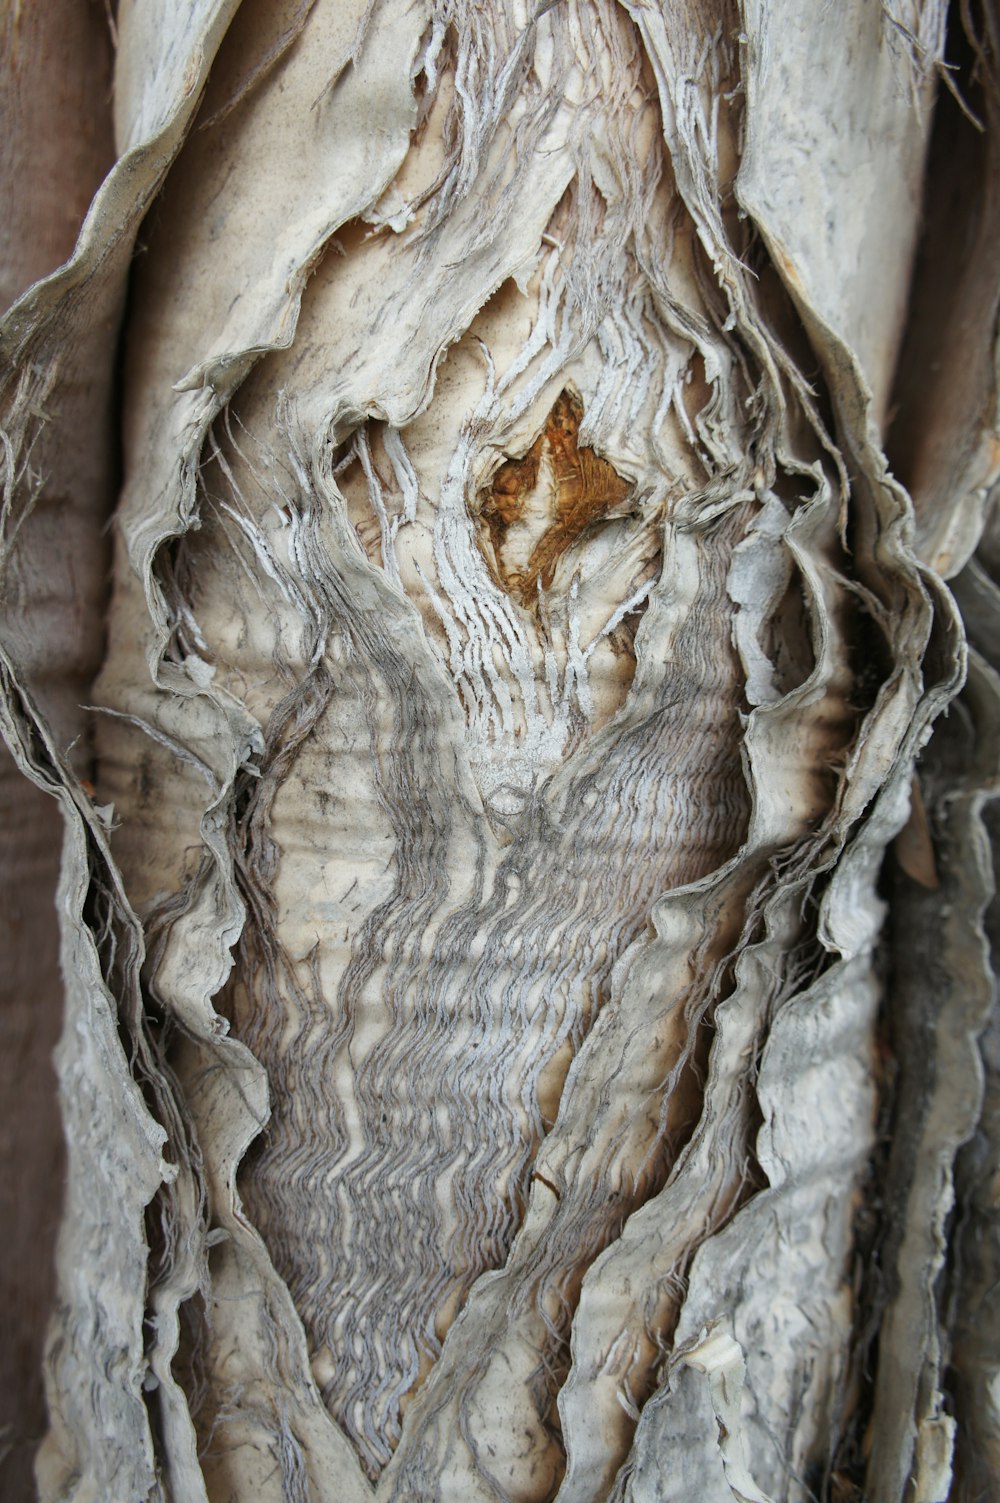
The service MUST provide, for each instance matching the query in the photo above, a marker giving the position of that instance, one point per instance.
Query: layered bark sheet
(478, 1051)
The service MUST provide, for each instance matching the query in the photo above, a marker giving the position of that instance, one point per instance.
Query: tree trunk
(530, 1023)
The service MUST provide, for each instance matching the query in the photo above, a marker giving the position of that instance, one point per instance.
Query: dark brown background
(55, 146)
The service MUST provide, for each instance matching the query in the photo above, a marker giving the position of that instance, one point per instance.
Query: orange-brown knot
(537, 507)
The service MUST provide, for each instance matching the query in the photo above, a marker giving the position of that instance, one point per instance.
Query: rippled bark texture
(528, 993)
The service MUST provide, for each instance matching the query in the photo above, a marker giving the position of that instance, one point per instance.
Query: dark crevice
(946, 356)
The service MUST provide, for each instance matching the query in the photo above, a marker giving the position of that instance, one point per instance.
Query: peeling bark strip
(516, 670)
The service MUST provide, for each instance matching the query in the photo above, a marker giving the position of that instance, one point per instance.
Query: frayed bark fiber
(530, 1011)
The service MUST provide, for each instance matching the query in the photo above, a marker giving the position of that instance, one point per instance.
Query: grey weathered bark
(528, 999)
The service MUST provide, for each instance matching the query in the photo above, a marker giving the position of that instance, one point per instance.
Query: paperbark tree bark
(530, 1020)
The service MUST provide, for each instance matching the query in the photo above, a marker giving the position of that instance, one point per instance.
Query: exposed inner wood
(537, 507)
